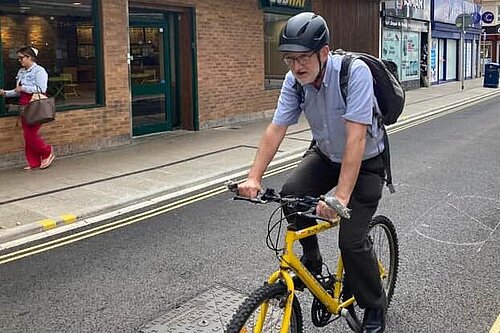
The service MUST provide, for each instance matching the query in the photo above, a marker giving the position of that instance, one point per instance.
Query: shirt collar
(31, 68)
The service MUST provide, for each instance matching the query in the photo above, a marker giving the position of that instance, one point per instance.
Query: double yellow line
(127, 221)
(171, 206)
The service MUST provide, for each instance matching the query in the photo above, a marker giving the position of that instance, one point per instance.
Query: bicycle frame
(290, 262)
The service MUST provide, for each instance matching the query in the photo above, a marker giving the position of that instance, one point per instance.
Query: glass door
(150, 73)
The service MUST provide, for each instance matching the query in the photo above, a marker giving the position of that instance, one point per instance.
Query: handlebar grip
(232, 186)
(337, 206)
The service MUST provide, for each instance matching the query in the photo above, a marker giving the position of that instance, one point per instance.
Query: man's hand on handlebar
(325, 211)
(250, 188)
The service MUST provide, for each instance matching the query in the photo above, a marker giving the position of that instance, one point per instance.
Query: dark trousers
(316, 175)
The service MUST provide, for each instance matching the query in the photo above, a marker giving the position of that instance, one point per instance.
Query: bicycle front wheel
(245, 318)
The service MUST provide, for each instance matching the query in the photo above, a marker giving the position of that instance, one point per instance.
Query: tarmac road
(446, 209)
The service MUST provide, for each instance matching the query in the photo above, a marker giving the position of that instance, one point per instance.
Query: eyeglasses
(302, 60)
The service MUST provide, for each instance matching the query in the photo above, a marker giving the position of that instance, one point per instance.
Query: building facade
(405, 33)
(125, 68)
(120, 69)
(490, 48)
(456, 33)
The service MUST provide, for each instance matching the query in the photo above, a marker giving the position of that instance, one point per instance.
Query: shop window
(410, 59)
(275, 68)
(391, 47)
(66, 35)
(403, 48)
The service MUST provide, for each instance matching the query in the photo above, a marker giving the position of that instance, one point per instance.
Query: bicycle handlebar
(305, 202)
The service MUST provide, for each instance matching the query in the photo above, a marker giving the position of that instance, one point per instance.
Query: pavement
(86, 189)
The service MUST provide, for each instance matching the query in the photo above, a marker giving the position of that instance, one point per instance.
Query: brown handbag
(40, 110)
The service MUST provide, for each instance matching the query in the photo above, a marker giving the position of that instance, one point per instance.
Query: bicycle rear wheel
(382, 234)
(245, 318)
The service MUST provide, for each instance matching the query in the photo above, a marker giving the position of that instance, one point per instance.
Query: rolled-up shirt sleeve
(288, 110)
(11, 93)
(360, 94)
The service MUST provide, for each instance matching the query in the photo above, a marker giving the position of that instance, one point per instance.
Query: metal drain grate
(209, 312)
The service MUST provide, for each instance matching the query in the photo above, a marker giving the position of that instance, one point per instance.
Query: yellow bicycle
(274, 307)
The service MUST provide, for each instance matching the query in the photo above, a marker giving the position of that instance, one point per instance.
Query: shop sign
(488, 17)
(493, 29)
(286, 5)
(412, 9)
(417, 4)
(447, 11)
(398, 23)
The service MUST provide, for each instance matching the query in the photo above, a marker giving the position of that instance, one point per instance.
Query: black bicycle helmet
(304, 32)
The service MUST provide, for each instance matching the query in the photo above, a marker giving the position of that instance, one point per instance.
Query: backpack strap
(386, 159)
(345, 73)
(300, 91)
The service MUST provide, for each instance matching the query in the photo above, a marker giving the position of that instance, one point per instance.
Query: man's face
(305, 65)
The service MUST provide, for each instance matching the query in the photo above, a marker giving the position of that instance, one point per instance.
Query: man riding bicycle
(345, 156)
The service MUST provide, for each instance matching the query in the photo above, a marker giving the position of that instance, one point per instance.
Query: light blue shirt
(32, 80)
(326, 112)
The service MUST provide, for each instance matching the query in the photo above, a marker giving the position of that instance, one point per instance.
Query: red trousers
(35, 148)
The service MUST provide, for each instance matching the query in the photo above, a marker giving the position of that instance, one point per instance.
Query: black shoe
(374, 320)
(315, 266)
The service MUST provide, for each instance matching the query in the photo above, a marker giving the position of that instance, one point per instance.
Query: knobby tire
(391, 241)
(247, 313)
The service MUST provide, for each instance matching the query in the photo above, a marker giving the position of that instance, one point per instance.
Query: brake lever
(256, 200)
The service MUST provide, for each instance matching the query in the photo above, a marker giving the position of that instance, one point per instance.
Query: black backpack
(386, 86)
(387, 89)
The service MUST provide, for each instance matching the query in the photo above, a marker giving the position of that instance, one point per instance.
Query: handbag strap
(39, 91)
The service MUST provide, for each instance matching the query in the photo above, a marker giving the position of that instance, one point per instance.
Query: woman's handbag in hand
(40, 110)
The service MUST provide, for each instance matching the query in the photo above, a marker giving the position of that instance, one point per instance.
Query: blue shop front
(447, 18)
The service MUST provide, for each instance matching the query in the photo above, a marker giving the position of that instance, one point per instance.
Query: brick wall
(230, 65)
(231, 62)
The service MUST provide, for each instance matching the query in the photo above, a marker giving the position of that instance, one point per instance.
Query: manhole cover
(209, 312)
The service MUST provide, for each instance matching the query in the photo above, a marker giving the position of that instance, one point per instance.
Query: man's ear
(324, 52)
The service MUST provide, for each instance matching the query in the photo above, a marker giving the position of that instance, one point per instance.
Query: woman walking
(31, 78)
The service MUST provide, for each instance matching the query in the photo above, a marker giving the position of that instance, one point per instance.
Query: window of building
(403, 48)
(275, 68)
(66, 34)
(410, 59)
(451, 59)
(391, 47)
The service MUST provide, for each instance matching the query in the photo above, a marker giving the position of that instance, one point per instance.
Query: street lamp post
(461, 21)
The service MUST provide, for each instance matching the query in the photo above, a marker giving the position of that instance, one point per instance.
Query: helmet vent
(319, 34)
(303, 29)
